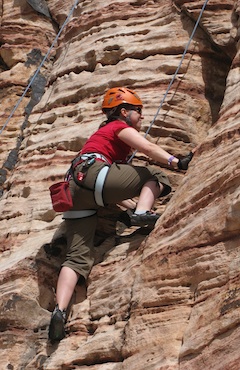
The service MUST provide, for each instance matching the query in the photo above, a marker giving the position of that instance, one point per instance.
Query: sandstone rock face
(165, 301)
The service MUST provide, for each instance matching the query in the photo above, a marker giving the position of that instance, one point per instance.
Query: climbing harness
(101, 177)
(174, 76)
(87, 159)
(79, 214)
(40, 66)
(60, 192)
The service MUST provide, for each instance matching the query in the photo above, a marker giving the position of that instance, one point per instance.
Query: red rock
(166, 301)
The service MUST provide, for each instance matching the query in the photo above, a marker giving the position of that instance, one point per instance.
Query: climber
(100, 175)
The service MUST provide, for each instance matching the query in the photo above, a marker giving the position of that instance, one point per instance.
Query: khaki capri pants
(123, 181)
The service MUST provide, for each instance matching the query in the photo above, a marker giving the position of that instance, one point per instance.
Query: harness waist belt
(84, 157)
(79, 214)
(99, 185)
(94, 155)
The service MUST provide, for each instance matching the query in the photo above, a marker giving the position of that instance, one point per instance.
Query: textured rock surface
(170, 300)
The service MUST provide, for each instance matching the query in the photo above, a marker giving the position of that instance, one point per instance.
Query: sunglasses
(137, 109)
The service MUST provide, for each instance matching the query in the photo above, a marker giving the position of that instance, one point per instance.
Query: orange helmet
(120, 95)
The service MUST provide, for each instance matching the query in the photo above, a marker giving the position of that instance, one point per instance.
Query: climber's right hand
(184, 162)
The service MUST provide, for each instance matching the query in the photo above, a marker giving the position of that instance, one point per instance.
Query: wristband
(170, 160)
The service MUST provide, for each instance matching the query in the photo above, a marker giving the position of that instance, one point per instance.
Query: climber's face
(133, 116)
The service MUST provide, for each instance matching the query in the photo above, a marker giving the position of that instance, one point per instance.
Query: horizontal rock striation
(168, 300)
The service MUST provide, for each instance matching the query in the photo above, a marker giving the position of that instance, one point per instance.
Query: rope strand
(40, 66)
(57, 37)
(174, 76)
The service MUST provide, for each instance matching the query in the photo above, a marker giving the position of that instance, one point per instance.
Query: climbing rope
(40, 66)
(175, 74)
(57, 37)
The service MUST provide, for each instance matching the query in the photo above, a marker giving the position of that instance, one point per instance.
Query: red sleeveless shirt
(105, 141)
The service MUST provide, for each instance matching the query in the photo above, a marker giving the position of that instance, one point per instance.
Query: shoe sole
(143, 223)
(56, 328)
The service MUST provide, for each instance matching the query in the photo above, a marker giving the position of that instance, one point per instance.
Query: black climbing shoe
(146, 219)
(125, 217)
(56, 327)
(51, 250)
